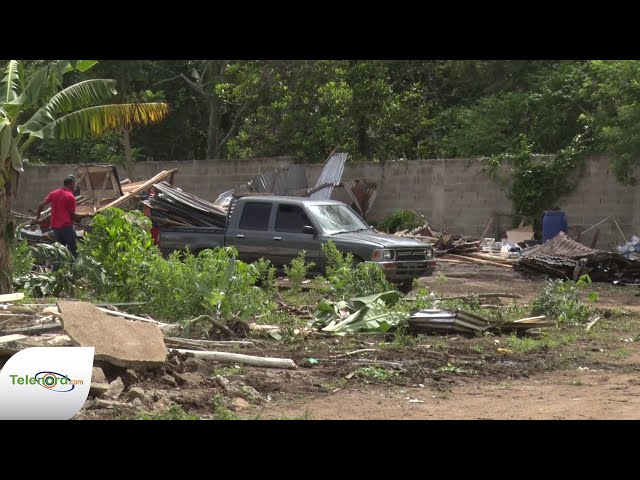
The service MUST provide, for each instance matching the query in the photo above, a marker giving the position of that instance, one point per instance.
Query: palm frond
(96, 121)
(79, 95)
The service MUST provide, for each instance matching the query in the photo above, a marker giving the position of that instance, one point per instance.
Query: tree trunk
(128, 158)
(6, 232)
(213, 136)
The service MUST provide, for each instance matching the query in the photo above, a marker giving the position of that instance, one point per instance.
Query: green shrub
(401, 220)
(348, 280)
(116, 256)
(211, 283)
(561, 300)
(298, 270)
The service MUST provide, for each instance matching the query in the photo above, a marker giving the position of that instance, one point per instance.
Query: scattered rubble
(124, 343)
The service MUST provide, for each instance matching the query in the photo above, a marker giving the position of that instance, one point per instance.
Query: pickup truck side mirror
(308, 229)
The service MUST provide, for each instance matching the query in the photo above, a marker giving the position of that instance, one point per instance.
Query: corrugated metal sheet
(560, 245)
(331, 174)
(289, 179)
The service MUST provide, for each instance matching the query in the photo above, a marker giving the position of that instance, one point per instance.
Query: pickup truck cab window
(291, 218)
(255, 216)
(337, 219)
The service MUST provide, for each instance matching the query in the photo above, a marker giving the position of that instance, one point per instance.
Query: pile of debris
(562, 257)
(135, 359)
(172, 206)
(98, 188)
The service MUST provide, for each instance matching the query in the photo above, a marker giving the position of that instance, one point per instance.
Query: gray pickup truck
(277, 228)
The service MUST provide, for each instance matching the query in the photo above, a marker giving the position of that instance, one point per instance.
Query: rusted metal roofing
(362, 194)
(561, 245)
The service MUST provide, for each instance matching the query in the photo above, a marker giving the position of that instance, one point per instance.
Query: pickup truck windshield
(337, 219)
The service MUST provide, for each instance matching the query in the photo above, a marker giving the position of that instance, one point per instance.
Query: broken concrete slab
(101, 403)
(124, 343)
(135, 392)
(98, 376)
(98, 388)
(169, 380)
(115, 389)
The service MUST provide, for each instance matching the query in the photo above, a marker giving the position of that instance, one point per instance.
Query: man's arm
(43, 204)
(72, 209)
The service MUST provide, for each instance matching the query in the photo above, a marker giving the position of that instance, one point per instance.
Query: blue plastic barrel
(553, 223)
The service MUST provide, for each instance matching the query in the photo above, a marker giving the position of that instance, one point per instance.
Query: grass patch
(548, 341)
(376, 374)
(450, 368)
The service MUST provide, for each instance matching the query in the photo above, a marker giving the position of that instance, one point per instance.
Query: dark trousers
(66, 236)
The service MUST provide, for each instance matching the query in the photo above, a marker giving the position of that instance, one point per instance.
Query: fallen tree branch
(240, 358)
(36, 329)
(189, 342)
(484, 295)
(166, 328)
(217, 323)
(348, 354)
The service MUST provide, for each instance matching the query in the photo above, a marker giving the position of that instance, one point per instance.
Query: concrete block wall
(455, 193)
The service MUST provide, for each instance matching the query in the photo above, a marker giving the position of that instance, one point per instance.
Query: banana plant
(39, 107)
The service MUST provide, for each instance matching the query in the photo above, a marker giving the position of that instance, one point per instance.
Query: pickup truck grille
(411, 255)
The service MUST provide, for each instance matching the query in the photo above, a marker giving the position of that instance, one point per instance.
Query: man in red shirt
(63, 209)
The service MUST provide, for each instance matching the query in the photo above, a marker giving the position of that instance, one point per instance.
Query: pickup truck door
(252, 236)
(288, 238)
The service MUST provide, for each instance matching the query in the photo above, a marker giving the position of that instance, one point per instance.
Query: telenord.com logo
(52, 381)
(47, 383)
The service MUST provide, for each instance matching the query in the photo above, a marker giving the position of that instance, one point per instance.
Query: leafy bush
(117, 255)
(38, 282)
(348, 280)
(22, 260)
(561, 299)
(211, 283)
(266, 273)
(401, 220)
(298, 271)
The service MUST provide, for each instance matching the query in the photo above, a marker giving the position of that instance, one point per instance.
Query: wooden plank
(37, 328)
(11, 338)
(486, 229)
(145, 186)
(107, 177)
(595, 238)
(11, 297)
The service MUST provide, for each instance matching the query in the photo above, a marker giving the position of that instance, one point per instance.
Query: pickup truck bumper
(400, 271)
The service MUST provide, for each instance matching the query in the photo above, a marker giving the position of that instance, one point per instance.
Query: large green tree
(38, 105)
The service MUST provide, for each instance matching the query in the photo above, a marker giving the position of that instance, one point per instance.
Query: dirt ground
(574, 375)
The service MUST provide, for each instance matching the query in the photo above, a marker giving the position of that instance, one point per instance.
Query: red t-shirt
(63, 206)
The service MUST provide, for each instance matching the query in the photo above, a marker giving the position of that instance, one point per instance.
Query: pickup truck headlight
(383, 255)
(429, 253)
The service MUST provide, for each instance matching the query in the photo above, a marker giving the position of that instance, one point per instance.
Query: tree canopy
(376, 110)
